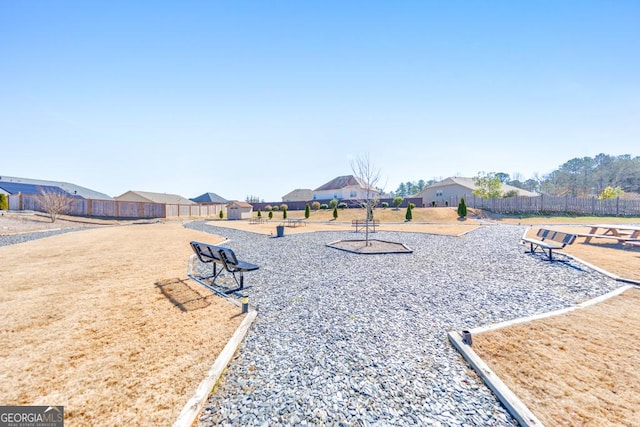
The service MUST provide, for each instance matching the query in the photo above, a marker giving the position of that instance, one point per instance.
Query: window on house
(354, 193)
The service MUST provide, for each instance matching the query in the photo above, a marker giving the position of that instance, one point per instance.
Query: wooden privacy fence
(117, 209)
(554, 205)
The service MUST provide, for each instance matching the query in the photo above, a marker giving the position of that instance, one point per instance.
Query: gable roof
(342, 182)
(72, 189)
(240, 204)
(209, 198)
(471, 185)
(299, 194)
(20, 187)
(164, 198)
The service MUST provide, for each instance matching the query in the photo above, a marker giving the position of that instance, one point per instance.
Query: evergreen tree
(408, 216)
(270, 214)
(221, 215)
(335, 212)
(307, 211)
(462, 208)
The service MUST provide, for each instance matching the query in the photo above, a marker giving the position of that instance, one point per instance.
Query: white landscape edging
(513, 404)
(194, 405)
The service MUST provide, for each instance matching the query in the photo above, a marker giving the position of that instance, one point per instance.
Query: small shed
(239, 210)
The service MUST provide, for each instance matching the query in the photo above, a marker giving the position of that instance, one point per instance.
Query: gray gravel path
(348, 339)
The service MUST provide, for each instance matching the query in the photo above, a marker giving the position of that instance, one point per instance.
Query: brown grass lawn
(106, 323)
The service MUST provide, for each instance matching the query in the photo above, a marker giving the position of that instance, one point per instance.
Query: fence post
(618, 206)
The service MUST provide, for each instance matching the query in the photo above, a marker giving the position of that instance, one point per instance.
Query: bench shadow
(182, 295)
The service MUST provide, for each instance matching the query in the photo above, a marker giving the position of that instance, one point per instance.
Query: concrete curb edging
(195, 404)
(513, 404)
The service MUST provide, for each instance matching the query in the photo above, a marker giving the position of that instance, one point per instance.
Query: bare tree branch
(369, 176)
(55, 203)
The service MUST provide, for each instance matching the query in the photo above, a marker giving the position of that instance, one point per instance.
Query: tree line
(600, 176)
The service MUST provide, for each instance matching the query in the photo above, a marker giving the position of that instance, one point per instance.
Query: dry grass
(106, 323)
(580, 368)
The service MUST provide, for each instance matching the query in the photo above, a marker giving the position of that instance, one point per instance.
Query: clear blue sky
(259, 98)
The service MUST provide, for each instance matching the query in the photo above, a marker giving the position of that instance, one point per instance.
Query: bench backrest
(228, 256)
(556, 236)
(206, 253)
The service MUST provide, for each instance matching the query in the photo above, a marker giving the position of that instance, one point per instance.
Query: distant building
(239, 210)
(209, 199)
(298, 195)
(149, 197)
(453, 188)
(346, 187)
(13, 185)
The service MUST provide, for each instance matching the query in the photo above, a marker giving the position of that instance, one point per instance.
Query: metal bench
(548, 241)
(361, 224)
(222, 259)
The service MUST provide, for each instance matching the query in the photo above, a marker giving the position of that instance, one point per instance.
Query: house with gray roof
(209, 199)
(347, 187)
(298, 195)
(150, 197)
(13, 185)
(451, 189)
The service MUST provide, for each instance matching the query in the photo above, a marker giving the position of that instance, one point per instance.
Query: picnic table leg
(593, 230)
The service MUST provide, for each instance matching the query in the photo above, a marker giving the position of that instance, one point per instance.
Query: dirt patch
(106, 323)
(580, 368)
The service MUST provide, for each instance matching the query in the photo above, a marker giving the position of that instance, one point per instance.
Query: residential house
(209, 199)
(450, 190)
(298, 195)
(13, 185)
(346, 187)
(150, 197)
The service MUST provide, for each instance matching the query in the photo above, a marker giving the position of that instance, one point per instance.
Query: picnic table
(293, 222)
(619, 232)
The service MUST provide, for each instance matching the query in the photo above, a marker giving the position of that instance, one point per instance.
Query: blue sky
(259, 98)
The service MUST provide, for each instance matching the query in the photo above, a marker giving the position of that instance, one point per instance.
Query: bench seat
(226, 259)
(548, 241)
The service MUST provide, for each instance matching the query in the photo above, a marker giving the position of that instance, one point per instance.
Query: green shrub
(333, 203)
(384, 205)
(221, 215)
(397, 201)
(315, 206)
(307, 211)
(412, 205)
(4, 203)
(275, 208)
(259, 214)
(270, 214)
(434, 203)
(335, 212)
(342, 205)
(462, 208)
(268, 208)
(408, 216)
(284, 213)
(324, 206)
(284, 207)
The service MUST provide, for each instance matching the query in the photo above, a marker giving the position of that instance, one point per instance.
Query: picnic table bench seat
(222, 259)
(548, 241)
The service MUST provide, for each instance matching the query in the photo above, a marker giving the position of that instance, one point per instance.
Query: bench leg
(239, 282)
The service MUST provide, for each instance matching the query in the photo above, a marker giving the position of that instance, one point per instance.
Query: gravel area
(350, 339)
(12, 239)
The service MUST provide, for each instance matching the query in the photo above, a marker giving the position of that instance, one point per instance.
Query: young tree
(284, 213)
(462, 208)
(335, 212)
(368, 176)
(270, 214)
(221, 215)
(489, 185)
(4, 203)
(408, 216)
(55, 203)
(315, 205)
(333, 203)
(397, 201)
(259, 214)
(307, 211)
(610, 193)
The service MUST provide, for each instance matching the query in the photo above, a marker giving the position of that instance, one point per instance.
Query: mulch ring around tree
(374, 246)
